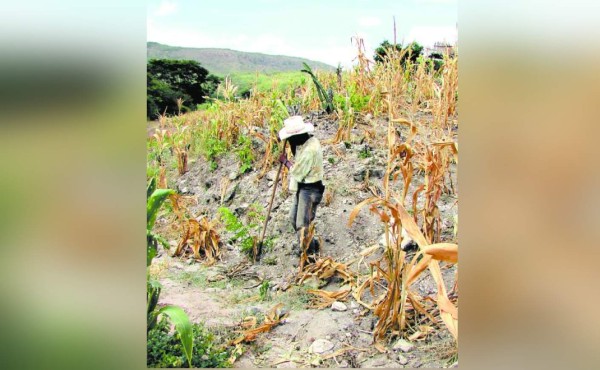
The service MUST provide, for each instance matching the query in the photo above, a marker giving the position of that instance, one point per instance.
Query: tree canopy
(170, 80)
(413, 52)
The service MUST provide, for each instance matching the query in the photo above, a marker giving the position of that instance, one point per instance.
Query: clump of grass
(264, 292)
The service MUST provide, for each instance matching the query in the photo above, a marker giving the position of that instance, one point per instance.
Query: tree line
(174, 82)
(175, 86)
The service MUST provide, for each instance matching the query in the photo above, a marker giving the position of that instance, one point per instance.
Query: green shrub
(164, 348)
(244, 153)
(213, 147)
(246, 233)
(365, 153)
(240, 231)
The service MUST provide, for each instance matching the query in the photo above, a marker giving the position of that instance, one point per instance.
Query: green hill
(225, 61)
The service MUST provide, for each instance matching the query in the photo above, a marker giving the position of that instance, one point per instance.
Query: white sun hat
(295, 125)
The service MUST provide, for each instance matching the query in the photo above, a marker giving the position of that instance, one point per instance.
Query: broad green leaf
(153, 290)
(150, 247)
(154, 202)
(151, 187)
(183, 327)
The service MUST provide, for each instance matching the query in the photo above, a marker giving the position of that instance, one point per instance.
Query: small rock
(344, 364)
(320, 346)
(328, 337)
(355, 311)
(403, 345)
(230, 193)
(353, 304)
(233, 175)
(271, 175)
(338, 306)
(402, 360)
(349, 335)
(270, 184)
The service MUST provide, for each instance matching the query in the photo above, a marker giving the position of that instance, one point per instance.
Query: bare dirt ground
(208, 295)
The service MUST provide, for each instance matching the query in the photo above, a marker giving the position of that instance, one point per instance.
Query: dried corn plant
(227, 89)
(325, 268)
(323, 298)
(252, 328)
(445, 95)
(362, 72)
(328, 196)
(422, 86)
(199, 236)
(397, 305)
(223, 185)
(180, 139)
(345, 125)
(436, 162)
(306, 236)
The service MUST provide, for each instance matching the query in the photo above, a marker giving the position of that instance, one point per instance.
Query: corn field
(415, 106)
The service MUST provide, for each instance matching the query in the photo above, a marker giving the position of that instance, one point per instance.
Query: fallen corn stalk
(324, 299)
(324, 268)
(252, 328)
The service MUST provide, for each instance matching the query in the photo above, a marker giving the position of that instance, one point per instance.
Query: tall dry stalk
(398, 305)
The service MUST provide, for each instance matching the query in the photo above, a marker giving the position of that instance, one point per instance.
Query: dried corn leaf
(380, 347)
(358, 207)
(324, 268)
(324, 298)
(272, 319)
(442, 252)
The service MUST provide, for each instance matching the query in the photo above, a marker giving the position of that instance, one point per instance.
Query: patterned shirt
(308, 167)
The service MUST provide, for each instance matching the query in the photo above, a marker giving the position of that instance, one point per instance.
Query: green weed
(265, 293)
(241, 232)
(244, 153)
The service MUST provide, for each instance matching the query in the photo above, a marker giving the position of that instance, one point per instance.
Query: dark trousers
(304, 209)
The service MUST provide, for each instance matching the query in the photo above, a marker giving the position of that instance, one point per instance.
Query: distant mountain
(225, 61)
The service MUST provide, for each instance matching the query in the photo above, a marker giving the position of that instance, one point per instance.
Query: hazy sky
(314, 29)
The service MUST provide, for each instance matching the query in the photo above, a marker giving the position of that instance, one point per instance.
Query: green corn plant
(326, 97)
(155, 198)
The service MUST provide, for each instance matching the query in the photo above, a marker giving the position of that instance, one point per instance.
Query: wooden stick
(262, 236)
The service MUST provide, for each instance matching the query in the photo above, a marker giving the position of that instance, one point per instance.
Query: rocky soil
(307, 336)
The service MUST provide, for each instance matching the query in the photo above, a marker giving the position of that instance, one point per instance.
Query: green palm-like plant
(154, 199)
(326, 97)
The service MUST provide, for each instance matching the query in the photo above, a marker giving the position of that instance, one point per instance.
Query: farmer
(306, 175)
